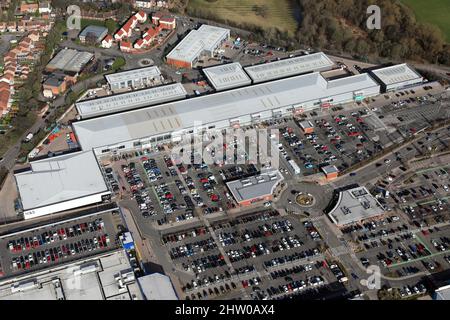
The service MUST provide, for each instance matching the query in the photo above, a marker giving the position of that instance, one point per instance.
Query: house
(141, 16)
(139, 44)
(11, 27)
(167, 22)
(29, 7)
(45, 7)
(145, 4)
(126, 46)
(126, 29)
(3, 27)
(156, 17)
(56, 84)
(107, 41)
(34, 36)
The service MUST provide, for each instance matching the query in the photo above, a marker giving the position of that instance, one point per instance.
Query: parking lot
(65, 241)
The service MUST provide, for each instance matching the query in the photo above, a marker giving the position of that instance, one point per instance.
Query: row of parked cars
(180, 236)
(207, 262)
(291, 258)
(55, 254)
(193, 248)
(54, 235)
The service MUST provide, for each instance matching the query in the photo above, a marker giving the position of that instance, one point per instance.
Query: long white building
(134, 78)
(396, 77)
(149, 126)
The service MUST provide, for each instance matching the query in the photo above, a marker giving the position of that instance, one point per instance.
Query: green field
(435, 12)
(278, 14)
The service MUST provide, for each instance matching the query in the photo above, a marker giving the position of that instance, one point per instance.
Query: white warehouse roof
(212, 108)
(397, 74)
(289, 67)
(147, 72)
(205, 38)
(227, 76)
(130, 100)
(59, 179)
(157, 286)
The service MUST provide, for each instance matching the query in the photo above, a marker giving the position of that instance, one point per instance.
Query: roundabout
(145, 62)
(305, 199)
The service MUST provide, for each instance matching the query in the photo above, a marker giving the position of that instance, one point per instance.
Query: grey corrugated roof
(211, 108)
(60, 179)
(70, 60)
(130, 100)
(227, 76)
(289, 67)
(396, 74)
(98, 31)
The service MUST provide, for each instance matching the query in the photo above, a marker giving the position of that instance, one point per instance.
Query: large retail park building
(152, 116)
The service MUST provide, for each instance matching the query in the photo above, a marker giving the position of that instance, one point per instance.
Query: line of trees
(340, 25)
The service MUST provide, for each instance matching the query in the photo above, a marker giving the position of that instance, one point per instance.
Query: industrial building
(396, 77)
(227, 76)
(93, 33)
(157, 286)
(135, 78)
(354, 205)
(103, 277)
(203, 41)
(61, 183)
(150, 126)
(130, 100)
(256, 188)
(316, 62)
(69, 60)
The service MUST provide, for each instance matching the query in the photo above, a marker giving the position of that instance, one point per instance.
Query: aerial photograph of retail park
(225, 150)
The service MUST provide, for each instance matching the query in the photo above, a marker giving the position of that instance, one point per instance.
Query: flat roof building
(69, 60)
(227, 76)
(61, 183)
(354, 205)
(198, 42)
(396, 77)
(220, 110)
(442, 293)
(255, 188)
(94, 33)
(130, 100)
(107, 276)
(134, 78)
(331, 172)
(307, 126)
(289, 67)
(157, 286)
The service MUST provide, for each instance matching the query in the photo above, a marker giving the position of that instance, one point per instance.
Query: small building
(168, 22)
(126, 46)
(204, 41)
(127, 241)
(29, 7)
(353, 205)
(157, 286)
(396, 77)
(156, 16)
(93, 34)
(256, 188)
(141, 16)
(45, 7)
(55, 85)
(306, 126)
(145, 4)
(134, 78)
(61, 183)
(107, 42)
(331, 172)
